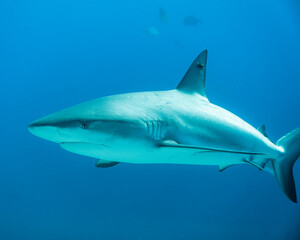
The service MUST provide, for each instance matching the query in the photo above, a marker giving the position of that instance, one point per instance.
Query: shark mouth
(84, 148)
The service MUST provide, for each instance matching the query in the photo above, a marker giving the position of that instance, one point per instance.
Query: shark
(178, 126)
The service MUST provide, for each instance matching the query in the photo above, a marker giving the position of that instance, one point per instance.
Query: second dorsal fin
(194, 79)
(262, 129)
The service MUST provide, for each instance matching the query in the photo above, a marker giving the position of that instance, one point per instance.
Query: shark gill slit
(156, 129)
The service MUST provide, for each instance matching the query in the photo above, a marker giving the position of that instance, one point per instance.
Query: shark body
(179, 126)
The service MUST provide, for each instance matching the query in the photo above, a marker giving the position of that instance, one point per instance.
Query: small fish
(153, 31)
(178, 44)
(191, 21)
(163, 17)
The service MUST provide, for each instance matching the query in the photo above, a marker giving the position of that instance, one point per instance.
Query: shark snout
(45, 131)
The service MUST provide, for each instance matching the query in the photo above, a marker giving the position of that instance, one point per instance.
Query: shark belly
(144, 151)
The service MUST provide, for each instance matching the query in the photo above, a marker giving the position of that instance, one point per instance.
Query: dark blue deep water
(58, 53)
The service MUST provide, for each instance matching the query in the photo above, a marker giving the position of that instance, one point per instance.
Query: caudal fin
(283, 166)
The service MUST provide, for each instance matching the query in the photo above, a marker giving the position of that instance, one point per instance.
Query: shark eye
(83, 125)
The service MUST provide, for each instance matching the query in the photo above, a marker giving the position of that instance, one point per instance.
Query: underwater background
(58, 53)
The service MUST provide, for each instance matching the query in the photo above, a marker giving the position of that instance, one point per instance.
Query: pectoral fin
(105, 164)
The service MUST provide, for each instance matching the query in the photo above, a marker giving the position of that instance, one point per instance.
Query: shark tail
(283, 165)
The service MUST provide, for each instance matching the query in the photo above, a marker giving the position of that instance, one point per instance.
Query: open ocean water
(58, 53)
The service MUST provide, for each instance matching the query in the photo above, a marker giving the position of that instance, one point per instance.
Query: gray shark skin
(179, 126)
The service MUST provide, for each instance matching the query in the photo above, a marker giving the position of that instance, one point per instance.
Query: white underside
(143, 152)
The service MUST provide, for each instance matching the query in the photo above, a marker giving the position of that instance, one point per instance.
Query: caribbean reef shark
(178, 126)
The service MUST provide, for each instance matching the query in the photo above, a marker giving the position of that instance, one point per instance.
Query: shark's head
(78, 128)
(73, 124)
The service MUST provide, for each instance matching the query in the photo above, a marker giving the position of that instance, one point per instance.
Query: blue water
(57, 53)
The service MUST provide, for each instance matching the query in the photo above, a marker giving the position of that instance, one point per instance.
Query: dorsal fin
(194, 79)
(262, 129)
